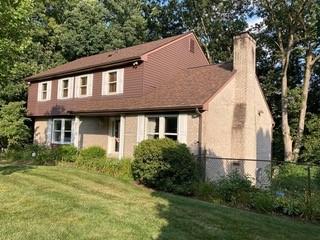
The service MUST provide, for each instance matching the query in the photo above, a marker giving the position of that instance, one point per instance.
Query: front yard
(66, 203)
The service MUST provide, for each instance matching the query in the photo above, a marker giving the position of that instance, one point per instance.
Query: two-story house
(164, 88)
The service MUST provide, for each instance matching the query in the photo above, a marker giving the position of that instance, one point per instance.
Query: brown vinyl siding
(132, 88)
(167, 61)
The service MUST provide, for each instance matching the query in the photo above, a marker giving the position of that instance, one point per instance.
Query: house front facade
(165, 88)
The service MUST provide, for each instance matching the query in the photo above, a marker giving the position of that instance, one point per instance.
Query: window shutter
(59, 93)
(122, 136)
(49, 132)
(120, 75)
(182, 127)
(77, 87)
(140, 128)
(104, 83)
(90, 84)
(49, 90)
(39, 91)
(70, 91)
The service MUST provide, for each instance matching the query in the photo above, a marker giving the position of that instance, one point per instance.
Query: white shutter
(59, 94)
(104, 83)
(182, 127)
(49, 91)
(49, 132)
(70, 91)
(120, 75)
(140, 128)
(76, 131)
(39, 91)
(122, 136)
(89, 85)
(76, 87)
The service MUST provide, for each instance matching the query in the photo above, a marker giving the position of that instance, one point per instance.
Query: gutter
(142, 110)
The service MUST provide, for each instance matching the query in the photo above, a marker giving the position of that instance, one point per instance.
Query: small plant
(67, 153)
(262, 201)
(204, 191)
(165, 165)
(234, 189)
(91, 157)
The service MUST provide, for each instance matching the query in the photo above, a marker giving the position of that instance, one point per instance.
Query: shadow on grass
(9, 169)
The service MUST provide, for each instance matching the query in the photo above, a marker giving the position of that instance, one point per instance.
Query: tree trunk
(303, 106)
(286, 135)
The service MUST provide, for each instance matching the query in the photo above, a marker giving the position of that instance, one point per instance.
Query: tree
(216, 22)
(84, 31)
(293, 26)
(164, 18)
(14, 130)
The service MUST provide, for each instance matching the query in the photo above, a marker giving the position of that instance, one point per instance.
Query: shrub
(165, 165)
(234, 189)
(91, 157)
(204, 191)
(262, 201)
(67, 153)
(38, 154)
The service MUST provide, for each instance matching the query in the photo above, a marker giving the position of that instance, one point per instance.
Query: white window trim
(89, 85)
(105, 82)
(62, 130)
(70, 88)
(162, 132)
(40, 99)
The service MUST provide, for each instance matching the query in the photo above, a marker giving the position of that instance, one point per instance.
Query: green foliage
(67, 153)
(37, 154)
(311, 142)
(165, 165)
(13, 130)
(91, 153)
(94, 158)
(262, 201)
(204, 191)
(216, 23)
(234, 189)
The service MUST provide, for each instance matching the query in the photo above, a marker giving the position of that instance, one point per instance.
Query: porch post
(76, 138)
(121, 144)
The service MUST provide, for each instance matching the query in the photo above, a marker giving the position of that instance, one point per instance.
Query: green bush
(204, 191)
(262, 201)
(94, 158)
(165, 165)
(67, 153)
(91, 157)
(38, 154)
(234, 189)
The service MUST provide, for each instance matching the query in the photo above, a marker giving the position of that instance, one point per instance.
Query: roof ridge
(140, 44)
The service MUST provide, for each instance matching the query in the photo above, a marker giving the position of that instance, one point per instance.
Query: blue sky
(253, 20)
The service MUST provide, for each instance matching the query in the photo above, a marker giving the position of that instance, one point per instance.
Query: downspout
(201, 158)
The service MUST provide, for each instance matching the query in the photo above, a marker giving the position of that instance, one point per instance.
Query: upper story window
(44, 91)
(65, 88)
(112, 82)
(62, 131)
(84, 85)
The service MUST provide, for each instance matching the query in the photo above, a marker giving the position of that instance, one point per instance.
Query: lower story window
(153, 128)
(171, 127)
(162, 126)
(62, 131)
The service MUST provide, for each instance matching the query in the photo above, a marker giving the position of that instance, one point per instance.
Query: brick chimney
(243, 126)
(244, 60)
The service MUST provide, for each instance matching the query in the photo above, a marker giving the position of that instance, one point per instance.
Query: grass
(66, 203)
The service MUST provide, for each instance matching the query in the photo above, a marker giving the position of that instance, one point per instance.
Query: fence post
(308, 194)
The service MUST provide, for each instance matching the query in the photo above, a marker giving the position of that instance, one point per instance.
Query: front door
(114, 140)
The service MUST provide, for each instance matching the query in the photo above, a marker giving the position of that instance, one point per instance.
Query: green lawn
(67, 203)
